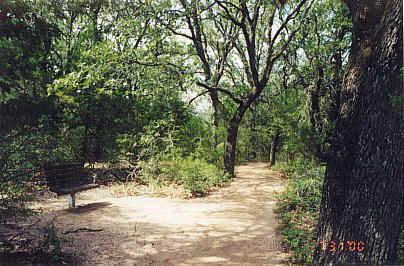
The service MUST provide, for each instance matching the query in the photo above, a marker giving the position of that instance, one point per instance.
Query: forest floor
(234, 225)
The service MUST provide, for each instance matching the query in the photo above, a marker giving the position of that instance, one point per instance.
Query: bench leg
(72, 200)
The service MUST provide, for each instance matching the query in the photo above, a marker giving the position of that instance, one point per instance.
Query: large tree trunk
(230, 148)
(363, 187)
(274, 146)
(231, 142)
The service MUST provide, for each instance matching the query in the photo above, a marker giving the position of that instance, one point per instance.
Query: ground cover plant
(298, 208)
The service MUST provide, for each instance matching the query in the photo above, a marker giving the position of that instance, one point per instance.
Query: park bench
(68, 178)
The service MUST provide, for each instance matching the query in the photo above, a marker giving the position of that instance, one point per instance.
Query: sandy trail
(235, 225)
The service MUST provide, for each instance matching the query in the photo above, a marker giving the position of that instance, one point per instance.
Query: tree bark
(363, 187)
(274, 146)
(253, 138)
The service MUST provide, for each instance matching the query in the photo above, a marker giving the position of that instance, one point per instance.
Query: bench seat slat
(69, 190)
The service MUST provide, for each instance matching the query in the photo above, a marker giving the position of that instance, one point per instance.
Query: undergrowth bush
(51, 242)
(197, 176)
(298, 209)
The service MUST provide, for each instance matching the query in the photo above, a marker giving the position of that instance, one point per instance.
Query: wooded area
(182, 91)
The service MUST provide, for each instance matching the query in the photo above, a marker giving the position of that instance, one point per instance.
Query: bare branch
(228, 13)
(213, 89)
(284, 47)
(139, 39)
(270, 58)
(197, 96)
(175, 31)
(245, 64)
(291, 16)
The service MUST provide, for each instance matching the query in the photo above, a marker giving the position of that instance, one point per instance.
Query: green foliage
(397, 103)
(13, 198)
(25, 44)
(21, 155)
(204, 150)
(194, 137)
(298, 208)
(400, 247)
(285, 105)
(51, 242)
(193, 180)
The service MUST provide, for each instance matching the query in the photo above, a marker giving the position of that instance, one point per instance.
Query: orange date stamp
(351, 246)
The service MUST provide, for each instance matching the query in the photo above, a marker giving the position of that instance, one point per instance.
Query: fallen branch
(82, 230)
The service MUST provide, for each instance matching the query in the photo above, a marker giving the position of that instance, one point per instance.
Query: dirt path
(235, 225)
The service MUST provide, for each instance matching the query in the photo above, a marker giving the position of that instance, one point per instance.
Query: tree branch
(197, 39)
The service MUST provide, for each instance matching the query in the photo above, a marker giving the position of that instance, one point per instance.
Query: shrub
(17, 188)
(195, 182)
(197, 176)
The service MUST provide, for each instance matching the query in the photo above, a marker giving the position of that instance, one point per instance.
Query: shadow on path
(234, 225)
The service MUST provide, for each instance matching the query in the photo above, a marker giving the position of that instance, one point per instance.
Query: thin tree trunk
(215, 123)
(274, 146)
(336, 78)
(363, 187)
(84, 147)
(290, 156)
(253, 139)
(315, 117)
(98, 142)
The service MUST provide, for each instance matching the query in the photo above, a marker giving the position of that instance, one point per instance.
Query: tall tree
(212, 39)
(363, 186)
(316, 59)
(250, 36)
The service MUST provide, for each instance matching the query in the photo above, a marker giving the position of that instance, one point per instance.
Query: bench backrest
(65, 174)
